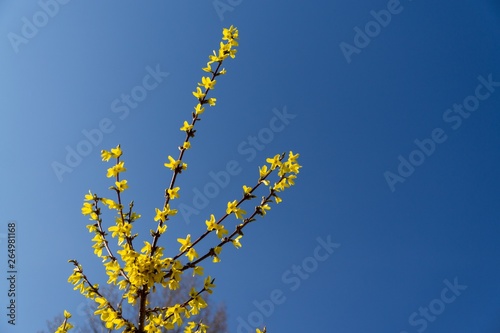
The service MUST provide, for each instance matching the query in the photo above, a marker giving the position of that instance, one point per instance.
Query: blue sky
(394, 107)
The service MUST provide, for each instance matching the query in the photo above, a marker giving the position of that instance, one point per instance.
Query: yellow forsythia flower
(211, 101)
(185, 243)
(192, 254)
(121, 185)
(208, 68)
(198, 270)
(116, 152)
(275, 161)
(186, 127)
(174, 192)
(219, 228)
(247, 189)
(162, 214)
(87, 208)
(198, 93)
(232, 208)
(174, 164)
(236, 242)
(199, 109)
(207, 82)
(116, 169)
(89, 196)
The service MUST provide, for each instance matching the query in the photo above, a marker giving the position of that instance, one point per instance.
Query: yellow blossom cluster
(287, 172)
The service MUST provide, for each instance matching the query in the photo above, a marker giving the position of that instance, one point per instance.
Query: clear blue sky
(393, 106)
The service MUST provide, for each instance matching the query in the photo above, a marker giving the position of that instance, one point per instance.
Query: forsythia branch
(138, 272)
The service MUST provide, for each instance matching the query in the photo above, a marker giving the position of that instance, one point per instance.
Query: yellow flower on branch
(208, 69)
(189, 327)
(174, 164)
(186, 127)
(236, 242)
(116, 169)
(185, 243)
(225, 51)
(232, 207)
(116, 152)
(192, 254)
(173, 192)
(75, 277)
(275, 162)
(106, 155)
(263, 171)
(221, 231)
(230, 33)
(176, 312)
(113, 271)
(281, 185)
(121, 185)
(291, 180)
(198, 270)
(277, 199)
(247, 189)
(262, 210)
(121, 230)
(219, 228)
(215, 58)
(162, 214)
(293, 158)
(169, 211)
(203, 328)
(87, 208)
(217, 251)
(207, 82)
(211, 101)
(111, 203)
(89, 196)
(199, 109)
(211, 225)
(198, 93)
(196, 303)
(293, 167)
(208, 284)
(146, 249)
